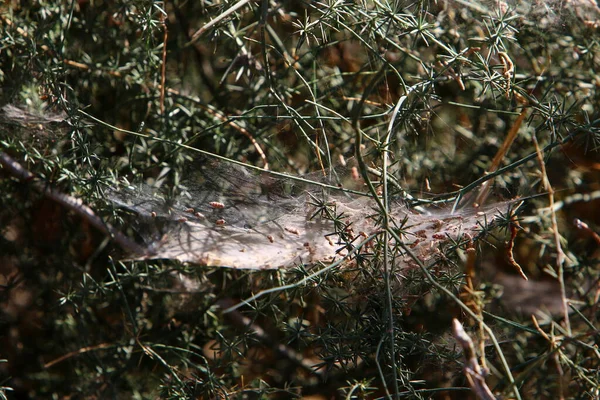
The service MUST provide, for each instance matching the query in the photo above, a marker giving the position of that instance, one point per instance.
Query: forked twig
(473, 371)
(215, 21)
(554, 346)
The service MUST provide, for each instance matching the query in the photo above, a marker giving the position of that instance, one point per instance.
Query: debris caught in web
(231, 217)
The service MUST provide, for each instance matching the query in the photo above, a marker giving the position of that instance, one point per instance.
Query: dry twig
(560, 255)
(473, 371)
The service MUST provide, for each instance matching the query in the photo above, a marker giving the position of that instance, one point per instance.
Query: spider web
(232, 217)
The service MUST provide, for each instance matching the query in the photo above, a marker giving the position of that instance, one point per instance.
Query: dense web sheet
(233, 217)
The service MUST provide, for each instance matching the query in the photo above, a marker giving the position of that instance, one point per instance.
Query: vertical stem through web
(383, 206)
(365, 174)
(387, 267)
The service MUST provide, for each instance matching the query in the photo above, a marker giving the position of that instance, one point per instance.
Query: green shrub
(477, 115)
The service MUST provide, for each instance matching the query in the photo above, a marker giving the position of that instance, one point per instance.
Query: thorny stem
(383, 206)
(379, 369)
(387, 267)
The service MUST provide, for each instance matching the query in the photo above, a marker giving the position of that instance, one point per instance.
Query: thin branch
(163, 69)
(560, 254)
(71, 203)
(514, 230)
(584, 227)
(83, 350)
(508, 141)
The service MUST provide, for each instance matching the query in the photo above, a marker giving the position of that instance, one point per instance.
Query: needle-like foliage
(366, 172)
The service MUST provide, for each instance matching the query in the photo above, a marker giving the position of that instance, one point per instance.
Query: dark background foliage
(101, 94)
